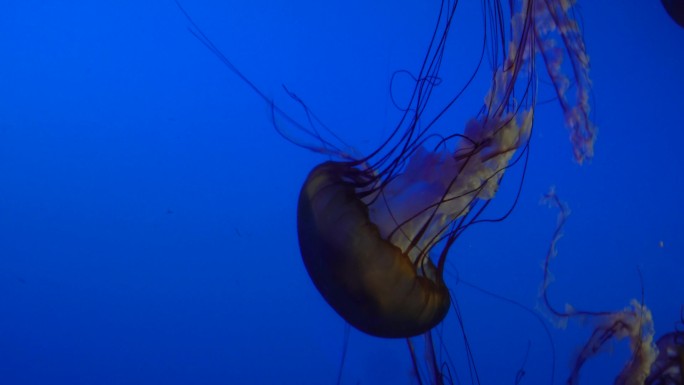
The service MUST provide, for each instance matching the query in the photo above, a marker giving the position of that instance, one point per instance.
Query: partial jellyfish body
(370, 227)
(651, 362)
(668, 367)
(675, 8)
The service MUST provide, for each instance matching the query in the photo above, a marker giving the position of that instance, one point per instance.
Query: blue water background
(147, 205)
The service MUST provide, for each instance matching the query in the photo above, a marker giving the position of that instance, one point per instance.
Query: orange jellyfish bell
(369, 281)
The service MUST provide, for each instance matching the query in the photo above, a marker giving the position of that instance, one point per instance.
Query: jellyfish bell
(368, 280)
(675, 9)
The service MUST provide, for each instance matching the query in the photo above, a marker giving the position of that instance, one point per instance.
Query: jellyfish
(651, 362)
(668, 367)
(675, 8)
(375, 231)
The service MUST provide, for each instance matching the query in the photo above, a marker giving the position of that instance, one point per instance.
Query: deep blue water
(147, 204)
